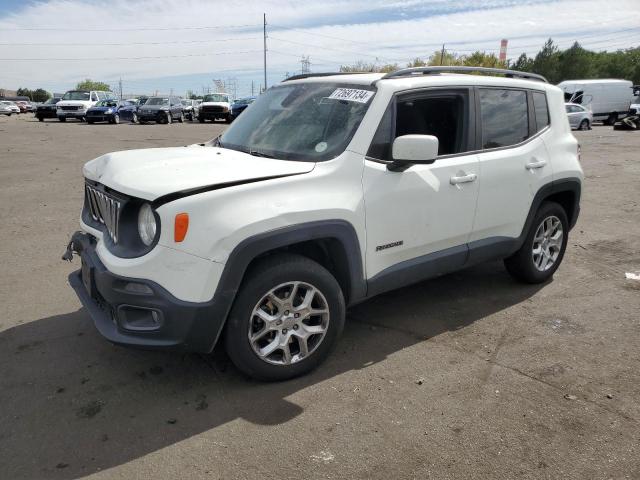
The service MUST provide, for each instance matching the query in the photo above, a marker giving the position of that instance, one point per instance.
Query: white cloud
(390, 31)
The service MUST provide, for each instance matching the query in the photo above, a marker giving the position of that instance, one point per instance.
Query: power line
(178, 42)
(128, 29)
(129, 58)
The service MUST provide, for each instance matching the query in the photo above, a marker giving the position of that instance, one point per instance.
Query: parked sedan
(161, 110)
(240, 105)
(47, 109)
(22, 105)
(103, 111)
(128, 109)
(12, 105)
(579, 117)
(5, 110)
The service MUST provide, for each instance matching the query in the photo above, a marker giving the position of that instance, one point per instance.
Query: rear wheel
(201, 119)
(544, 246)
(62, 119)
(90, 122)
(286, 318)
(584, 125)
(613, 118)
(40, 119)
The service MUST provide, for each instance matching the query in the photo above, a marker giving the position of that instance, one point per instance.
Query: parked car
(161, 110)
(22, 105)
(189, 108)
(104, 111)
(128, 109)
(5, 110)
(607, 99)
(11, 105)
(634, 108)
(240, 105)
(47, 109)
(215, 106)
(258, 238)
(579, 117)
(75, 103)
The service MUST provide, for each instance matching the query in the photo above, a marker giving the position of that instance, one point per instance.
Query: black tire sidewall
(521, 264)
(257, 283)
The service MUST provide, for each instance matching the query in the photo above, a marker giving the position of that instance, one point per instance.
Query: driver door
(418, 221)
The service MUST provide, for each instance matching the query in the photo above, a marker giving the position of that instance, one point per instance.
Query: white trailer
(607, 99)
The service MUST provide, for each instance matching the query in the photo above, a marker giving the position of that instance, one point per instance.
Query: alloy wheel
(547, 243)
(288, 323)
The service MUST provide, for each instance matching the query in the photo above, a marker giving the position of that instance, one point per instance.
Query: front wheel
(286, 318)
(201, 119)
(116, 119)
(168, 118)
(544, 246)
(181, 118)
(612, 119)
(134, 118)
(40, 119)
(584, 125)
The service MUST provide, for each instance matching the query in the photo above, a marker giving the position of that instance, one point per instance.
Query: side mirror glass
(410, 149)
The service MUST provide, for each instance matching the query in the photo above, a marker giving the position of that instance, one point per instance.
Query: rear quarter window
(541, 110)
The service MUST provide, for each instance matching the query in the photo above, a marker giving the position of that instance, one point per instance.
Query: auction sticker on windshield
(351, 95)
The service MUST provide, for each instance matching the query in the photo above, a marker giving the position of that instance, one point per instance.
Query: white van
(607, 99)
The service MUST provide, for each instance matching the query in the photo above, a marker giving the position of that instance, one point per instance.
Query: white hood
(75, 103)
(154, 172)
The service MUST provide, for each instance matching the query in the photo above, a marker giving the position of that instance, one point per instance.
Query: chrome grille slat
(104, 209)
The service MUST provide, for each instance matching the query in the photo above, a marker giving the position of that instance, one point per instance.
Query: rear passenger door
(513, 162)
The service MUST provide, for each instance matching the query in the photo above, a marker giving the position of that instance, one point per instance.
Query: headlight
(110, 110)
(146, 224)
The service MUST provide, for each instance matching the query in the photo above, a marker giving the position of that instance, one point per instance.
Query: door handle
(471, 177)
(535, 164)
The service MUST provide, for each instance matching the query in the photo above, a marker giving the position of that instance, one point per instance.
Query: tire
(525, 265)
(62, 119)
(134, 118)
(584, 125)
(116, 119)
(227, 119)
(168, 119)
(40, 119)
(613, 118)
(90, 122)
(275, 275)
(181, 118)
(201, 119)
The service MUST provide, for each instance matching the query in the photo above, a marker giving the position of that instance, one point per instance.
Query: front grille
(70, 107)
(104, 209)
(213, 109)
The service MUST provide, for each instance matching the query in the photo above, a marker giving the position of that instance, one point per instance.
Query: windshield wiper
(256, 153)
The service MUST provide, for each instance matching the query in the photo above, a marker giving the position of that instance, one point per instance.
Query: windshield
(157, 101)
(186, 103)
(106, 103)
(308, 121)
(51, 101)
(75, 95)
(215, 97)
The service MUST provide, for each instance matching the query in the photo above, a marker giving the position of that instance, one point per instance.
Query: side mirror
(410, 149)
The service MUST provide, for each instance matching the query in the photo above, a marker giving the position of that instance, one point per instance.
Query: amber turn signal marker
(181, 226)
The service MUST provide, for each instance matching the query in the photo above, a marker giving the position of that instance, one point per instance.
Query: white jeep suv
(331, 189)
(215, 106)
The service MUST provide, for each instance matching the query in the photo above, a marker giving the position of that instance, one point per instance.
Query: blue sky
(163, 44)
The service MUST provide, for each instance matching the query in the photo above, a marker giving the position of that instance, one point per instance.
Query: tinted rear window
(505, 119)
(541, 110)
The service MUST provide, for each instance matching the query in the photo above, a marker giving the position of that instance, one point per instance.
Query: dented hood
(153, 173)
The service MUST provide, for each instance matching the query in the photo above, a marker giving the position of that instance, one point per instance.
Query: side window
(504, 116)
(443, 114)
(541, 110)
(94, 97)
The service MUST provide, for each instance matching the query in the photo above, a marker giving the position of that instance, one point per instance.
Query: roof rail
(455, 69)
(324, 74)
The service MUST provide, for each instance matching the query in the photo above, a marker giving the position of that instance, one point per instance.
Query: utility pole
(252, 88)
(305, 65)
(442, 55)
(120, 87)
(265, 49)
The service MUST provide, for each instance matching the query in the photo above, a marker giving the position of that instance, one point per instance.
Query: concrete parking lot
(466, 376)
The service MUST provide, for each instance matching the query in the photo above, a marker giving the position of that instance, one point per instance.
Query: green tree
(575, 62)
(89, 84)
(523, 63)
(40, 95)
(547, 62)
